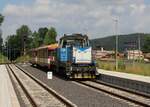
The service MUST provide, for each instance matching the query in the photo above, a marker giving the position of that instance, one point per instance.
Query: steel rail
(31, 100)
(146, 95)
(59, 97)
(115, 94)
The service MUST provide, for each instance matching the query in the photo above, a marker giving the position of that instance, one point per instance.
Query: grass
(3, 59)
(133, 68)
(23, 59)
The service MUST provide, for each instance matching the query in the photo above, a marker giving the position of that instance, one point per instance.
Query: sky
(93, 17)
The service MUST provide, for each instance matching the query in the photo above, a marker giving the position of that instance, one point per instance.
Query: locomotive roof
(74, 36)
(50, 47)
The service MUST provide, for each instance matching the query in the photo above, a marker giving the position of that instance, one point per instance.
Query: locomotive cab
(75, 56)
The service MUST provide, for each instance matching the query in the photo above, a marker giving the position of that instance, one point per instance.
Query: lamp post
(116, 37)
(2, 53)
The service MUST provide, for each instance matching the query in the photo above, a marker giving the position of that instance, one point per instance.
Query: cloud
(94, 17)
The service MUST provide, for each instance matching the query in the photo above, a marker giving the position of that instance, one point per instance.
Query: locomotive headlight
(74, 49)
(97, 71)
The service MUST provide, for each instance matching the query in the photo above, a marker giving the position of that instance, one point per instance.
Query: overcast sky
(94, 17)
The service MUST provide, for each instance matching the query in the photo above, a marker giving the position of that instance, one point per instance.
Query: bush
(25, 58)
(3, 59)
(121, 65)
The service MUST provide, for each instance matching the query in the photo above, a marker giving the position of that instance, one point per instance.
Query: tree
(1, 39)
(146, 47)
(50, 36)
(42, 33)
(19, 42)
(47, 38)
(1, 19)
(35, 40)
(24, 36)
(12, 47)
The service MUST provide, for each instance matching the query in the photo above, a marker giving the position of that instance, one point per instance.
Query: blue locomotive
(74, 57)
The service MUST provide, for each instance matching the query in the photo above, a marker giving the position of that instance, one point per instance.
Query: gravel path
(79, 95)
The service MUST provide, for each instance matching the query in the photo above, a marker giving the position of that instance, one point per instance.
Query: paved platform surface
(8, 96)
(125, 75)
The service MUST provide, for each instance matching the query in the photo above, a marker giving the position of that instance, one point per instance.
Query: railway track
(137, 98)
(78, 94)
(37, 93)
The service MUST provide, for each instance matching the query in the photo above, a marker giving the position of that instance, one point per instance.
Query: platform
(8, 97)
(126, 80)
(126, 75)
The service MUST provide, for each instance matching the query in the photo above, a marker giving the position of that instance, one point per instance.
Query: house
(134, 54)
(99, 54)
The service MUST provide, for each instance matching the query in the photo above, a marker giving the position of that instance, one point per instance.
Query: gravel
(41, 96)
(79, 95)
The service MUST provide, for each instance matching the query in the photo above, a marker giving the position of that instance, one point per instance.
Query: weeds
(128, 67)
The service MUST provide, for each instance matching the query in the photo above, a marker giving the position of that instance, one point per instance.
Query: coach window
(54, 53)
(49, 52)
(40, 53)
(46, 53)
(43, 53)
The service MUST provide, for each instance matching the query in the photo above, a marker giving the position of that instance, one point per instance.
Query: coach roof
(50, 47)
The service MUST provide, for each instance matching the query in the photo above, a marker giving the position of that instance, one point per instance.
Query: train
(71, 57)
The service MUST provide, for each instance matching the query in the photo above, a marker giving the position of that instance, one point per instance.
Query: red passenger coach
(44, 56)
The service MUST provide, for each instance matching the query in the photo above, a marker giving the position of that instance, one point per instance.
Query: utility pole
(24, 46)
(1, 45)
(7, 51)
(139, 45)
(116, 37)
(2, 54)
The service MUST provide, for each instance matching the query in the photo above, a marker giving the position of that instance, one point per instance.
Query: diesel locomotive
(71, 57)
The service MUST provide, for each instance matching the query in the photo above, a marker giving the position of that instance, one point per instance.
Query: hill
(129, 41)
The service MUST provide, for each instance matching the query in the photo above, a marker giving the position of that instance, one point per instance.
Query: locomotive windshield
(75, 42)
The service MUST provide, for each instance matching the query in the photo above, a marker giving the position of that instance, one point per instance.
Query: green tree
(47, 38)
(146, 47)
(12, 47)
(16, 44)
(50, 36)
(41, 34)
(35, 40)
(24, 37)
(1, 19)
(1, 39)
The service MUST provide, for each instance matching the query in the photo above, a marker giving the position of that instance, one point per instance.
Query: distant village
(127, 55)
(130, 47)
